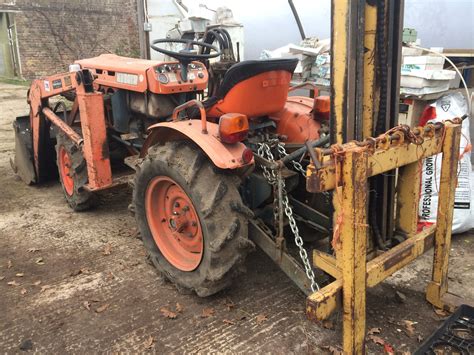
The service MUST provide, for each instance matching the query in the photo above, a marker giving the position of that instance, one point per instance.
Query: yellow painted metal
(326, 262)
(321, 304)
(369, 69)
(340, 16)
(355, 163)
(353, 248)
(408, 196)
(399, 256)
(380, 161)
(438, 287)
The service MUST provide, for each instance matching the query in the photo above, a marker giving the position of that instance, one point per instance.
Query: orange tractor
(213, 174)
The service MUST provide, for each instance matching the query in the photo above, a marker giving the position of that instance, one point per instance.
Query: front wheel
(190, 218)
(72, 170)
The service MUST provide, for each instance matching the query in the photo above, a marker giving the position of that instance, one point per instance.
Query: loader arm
(92, 142)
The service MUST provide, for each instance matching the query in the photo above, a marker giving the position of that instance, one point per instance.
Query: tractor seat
(253, 87)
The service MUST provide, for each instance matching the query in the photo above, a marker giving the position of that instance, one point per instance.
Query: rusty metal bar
(380, 161)
(320, 305)
(438, 287)
(202, 112)
(351, 255)
(284, 260)
(63, 126)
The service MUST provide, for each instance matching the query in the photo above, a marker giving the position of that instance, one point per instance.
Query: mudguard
(224, 156)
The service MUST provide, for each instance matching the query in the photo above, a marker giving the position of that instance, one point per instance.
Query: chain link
(264, 151)
(296, 165)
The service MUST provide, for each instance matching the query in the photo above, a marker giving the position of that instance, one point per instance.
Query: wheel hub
(65, 170)
(174, 223)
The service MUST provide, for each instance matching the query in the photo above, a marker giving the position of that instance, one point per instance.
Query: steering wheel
(186, 55)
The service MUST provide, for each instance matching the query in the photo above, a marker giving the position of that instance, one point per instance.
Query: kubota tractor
(207, 169)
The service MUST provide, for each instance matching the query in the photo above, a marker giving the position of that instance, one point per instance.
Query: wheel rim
(174, 223)
(65, 171)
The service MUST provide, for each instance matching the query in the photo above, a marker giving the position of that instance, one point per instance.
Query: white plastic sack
(448, 107)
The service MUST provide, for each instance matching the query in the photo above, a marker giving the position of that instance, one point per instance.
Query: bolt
(186, 208)
(193, 223)
(176, 204)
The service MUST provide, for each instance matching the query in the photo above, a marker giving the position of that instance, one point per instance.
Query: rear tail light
(233, 127)
(247, 155)
(321, 108)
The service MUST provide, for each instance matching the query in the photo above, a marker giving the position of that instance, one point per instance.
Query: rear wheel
(72, 173)
(190, 218)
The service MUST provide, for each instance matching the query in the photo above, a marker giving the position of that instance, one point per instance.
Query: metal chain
(296, 164)
(265, 152)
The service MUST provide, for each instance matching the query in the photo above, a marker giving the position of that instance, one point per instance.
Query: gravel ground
(79, 282)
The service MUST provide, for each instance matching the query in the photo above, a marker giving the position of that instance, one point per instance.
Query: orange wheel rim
(174, 223)
(65, 171)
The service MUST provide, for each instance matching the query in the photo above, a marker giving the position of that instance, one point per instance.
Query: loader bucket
(23, 162)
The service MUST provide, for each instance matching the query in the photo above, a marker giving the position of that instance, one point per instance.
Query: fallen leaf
(20, 274)
(87, 305)
(333, 350)
(13, 283)
(102, 308)
(328, 324)
(179, 308)
(23, 291)
(2, 278)
(44, 288)
(374, 331)
(228, 321)
(107, 249)
(387, 348)
(261, 318)
(419, 338)
(110, 276)
(167, 313)
(376, 339)
(441, 312)
(32, 250)
(148, 344)
(207, 312)
(37, 283)
(40, 261)
(409, 328)
(9, 264)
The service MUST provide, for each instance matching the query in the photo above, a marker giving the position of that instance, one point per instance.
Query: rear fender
(224, 156)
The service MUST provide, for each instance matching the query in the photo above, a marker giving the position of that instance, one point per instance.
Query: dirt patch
(80, 299)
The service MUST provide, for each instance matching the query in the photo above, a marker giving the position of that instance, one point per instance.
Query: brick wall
(53, 33)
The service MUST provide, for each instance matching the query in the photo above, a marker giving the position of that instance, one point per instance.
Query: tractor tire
(191, 218)
(72, 170)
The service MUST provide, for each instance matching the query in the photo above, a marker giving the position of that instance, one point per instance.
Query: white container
(423, 59)
(426, 78)
(409, 51)
(411, 67)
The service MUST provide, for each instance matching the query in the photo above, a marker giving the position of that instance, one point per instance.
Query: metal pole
(142, 35)
(297, 18)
